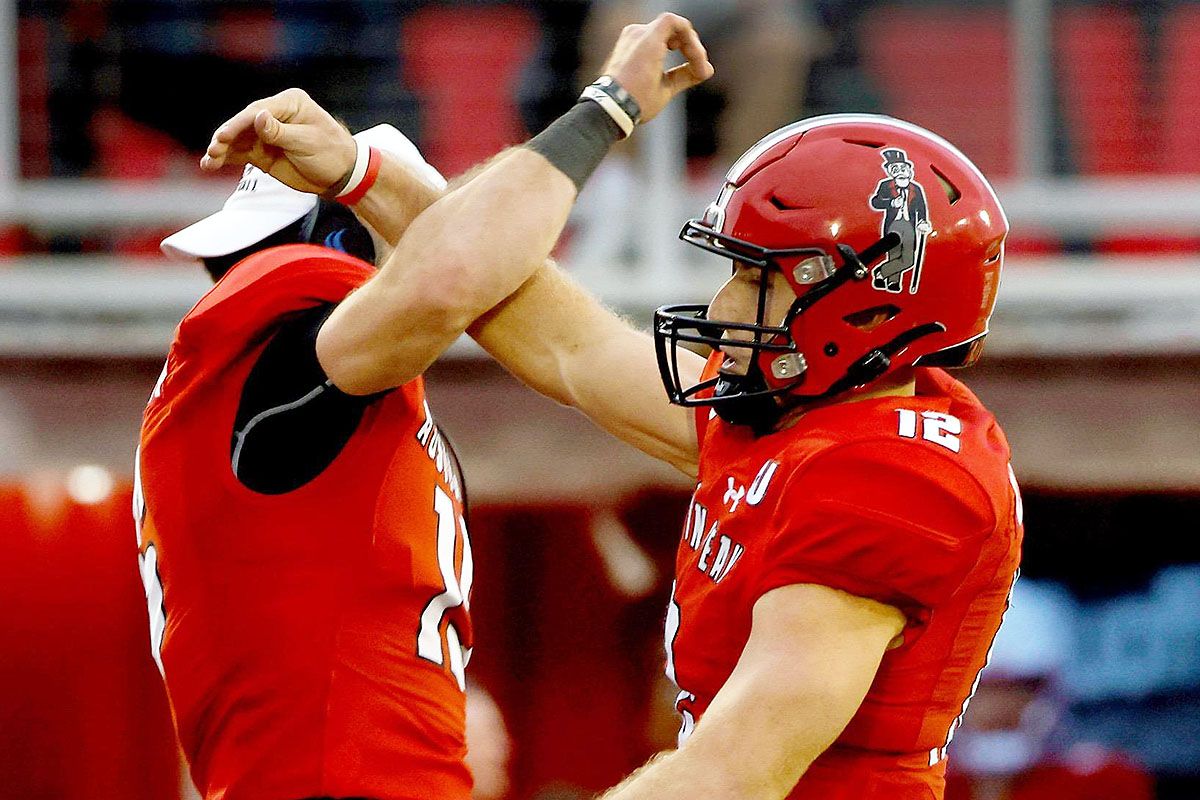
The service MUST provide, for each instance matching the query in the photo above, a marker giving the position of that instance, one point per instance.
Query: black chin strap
(856, 266)
(748, 401)
(876, 362)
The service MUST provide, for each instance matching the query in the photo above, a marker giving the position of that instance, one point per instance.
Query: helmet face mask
(738, 398)
(748, 399)
(893, 264)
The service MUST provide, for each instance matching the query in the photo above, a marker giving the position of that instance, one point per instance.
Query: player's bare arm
(478, 243)
(561, 341)
(811, 657)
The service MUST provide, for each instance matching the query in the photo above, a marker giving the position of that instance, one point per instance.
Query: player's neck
(901, 385)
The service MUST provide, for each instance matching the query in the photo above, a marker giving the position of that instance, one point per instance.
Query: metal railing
(624, 239)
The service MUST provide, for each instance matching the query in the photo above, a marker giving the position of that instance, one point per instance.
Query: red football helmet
(891, 239)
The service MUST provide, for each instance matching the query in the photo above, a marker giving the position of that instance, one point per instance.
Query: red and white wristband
(367, 161)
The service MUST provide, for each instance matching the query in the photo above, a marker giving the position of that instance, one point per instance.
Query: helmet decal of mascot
(905, 213)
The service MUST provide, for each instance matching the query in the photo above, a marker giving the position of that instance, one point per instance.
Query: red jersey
(312, 642)
(909, 501)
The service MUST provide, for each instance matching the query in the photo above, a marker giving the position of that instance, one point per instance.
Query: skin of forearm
(679, 775)
(752, 744)
(477, 244)
(459, 257)
(564, 343)
(400, 194)
(811, 657)
(397, 198)
(536, 331)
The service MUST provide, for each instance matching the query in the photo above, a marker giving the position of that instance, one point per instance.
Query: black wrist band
(616, 102)
(577, 141)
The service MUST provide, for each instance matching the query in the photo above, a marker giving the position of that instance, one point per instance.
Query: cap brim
(228, 231)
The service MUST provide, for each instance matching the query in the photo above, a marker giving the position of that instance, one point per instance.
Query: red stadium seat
(14, 240)
(141, 243)
(252, 35)
(1158, 245)
(1180, 108)
(949, 70)
(1101, 82)
(128, 150)
(464, 64)
(33, 94)
(131, 151)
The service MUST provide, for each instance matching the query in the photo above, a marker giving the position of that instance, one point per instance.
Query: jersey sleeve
(266, 288)
(881, 520)
(292, 422)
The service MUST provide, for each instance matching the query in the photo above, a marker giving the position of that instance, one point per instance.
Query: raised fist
(638, 59)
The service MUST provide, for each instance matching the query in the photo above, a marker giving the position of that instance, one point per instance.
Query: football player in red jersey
(856, 527)
(300, 516)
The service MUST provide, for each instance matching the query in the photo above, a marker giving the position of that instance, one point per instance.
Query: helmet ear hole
(869, 319)
(952, 192)
(864, 143)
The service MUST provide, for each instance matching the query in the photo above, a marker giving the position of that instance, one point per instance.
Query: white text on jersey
(717, 563)
(439, 453)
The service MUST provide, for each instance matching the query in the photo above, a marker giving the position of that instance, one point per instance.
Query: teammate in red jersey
(300, 516)
(856, 528)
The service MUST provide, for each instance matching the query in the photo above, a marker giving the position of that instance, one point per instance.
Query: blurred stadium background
(1086, 115)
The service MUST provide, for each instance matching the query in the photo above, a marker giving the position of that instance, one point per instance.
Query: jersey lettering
(702, 564)
(156, 392)
(436, 447)
(758, 489)
(697, 519)
(152, 583)
(139, 497)
(1018, 505)
(942, 429)
(148, 564)
(734, 495)
(684, 697)
(717, 552)
(432, 643)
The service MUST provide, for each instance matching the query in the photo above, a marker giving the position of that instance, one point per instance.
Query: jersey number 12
(432, 644)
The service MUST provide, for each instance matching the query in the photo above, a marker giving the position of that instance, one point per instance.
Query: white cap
(259, 206)
(390, 140)
(262, 205)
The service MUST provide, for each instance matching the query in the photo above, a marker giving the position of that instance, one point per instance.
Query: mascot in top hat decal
(902, 201)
